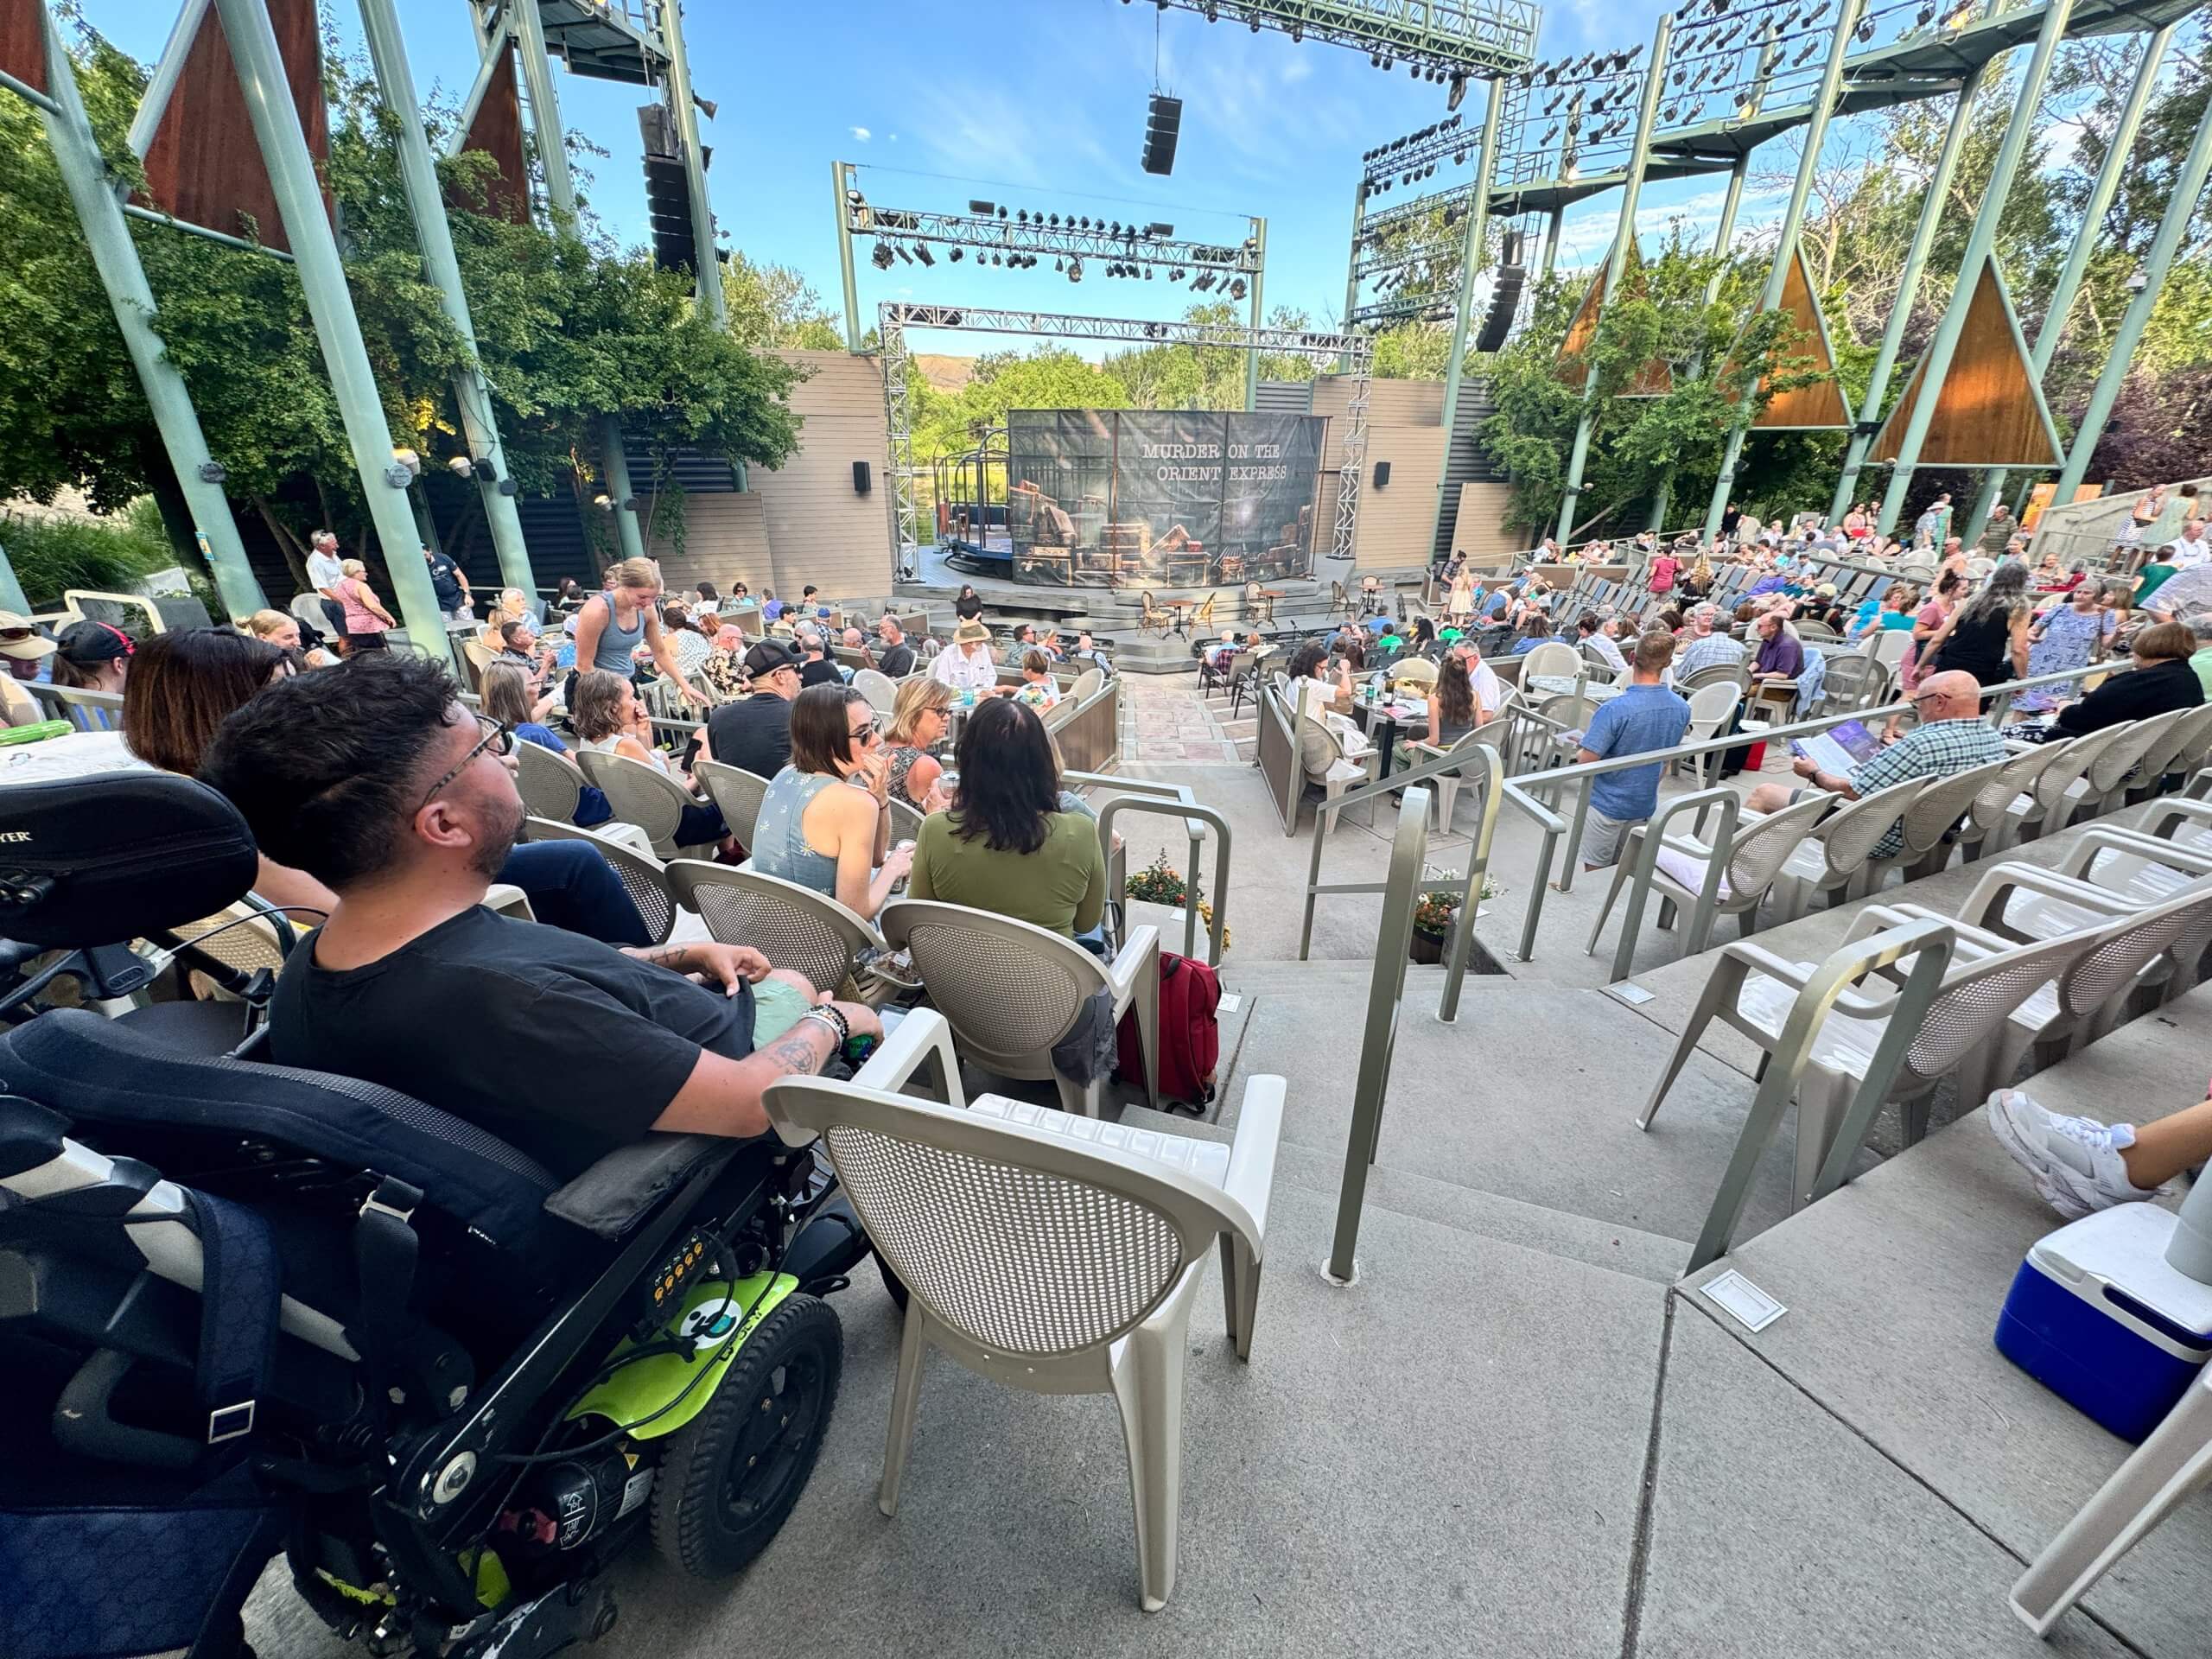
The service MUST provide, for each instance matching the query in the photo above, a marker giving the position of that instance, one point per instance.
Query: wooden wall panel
(497, 131)
(1819, 407)
(1655, 378)
(204, 165)
(1479, 529)
(1989, 411)
(22, 52)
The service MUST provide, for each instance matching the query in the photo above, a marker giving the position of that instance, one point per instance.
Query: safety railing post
(1490, 782)
(1392, 937)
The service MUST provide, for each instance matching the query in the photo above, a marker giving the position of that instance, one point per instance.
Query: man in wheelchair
(484, 1276)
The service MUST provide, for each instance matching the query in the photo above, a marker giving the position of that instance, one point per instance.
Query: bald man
(1952, 737)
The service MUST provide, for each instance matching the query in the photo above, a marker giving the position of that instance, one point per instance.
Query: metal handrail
(1148, 795)
(1654, 834)
(1378, 1042)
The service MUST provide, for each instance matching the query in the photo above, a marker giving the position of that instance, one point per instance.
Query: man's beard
(492, 856)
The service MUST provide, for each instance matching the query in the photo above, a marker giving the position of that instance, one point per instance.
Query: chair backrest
(1893, 646)
(2185, 740)
(906, 820)
(1712, 703)
(1150, 610)
(645, 880)
(1849, 837)
(1203, 617)
(2014, 779)
(1763, 847)
(1553, 656)
(640, 793)
(1414, 670)
(1978, 997)
(878, 688)
(2123, 948)
(1016, 1242)
(1713, 674)
(2110, 769)
(737, 791)
(2078, 756)
(1009, 989)
(1597, 660)
(794, 927)
(246, 938)
(1086, 683)
(1942, 802)
(550, 785)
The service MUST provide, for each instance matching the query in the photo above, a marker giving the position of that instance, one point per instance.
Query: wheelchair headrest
(99, 860)
(96, 1071)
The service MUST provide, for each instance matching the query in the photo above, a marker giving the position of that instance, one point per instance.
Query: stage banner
(1169, 497)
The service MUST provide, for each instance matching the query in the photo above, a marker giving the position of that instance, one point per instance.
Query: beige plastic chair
(2109, 778)
(1347, 767)
(1993, 821)
(1713, 704)
(2106, 872)
(1935, 812)
(2178, 750)
(1052, 1253)
(1012, 991)
(737, 791)
(1444, 797)
(2062, 785)
(1086, 683)
(644, 878)
(550, 785)
(905, 821)
(1834, 861)
(643, 794)
(793, 926)
(878, 688)
(2169, 1467)
(1553, 658)
(1733, 674)
(1752, 991)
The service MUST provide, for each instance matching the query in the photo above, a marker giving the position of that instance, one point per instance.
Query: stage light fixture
(1236, 289)
(955, 256)
(922, 252)
(1204, 282)
(1075, 270)
(899, 249)
(983, 208)
(1147, 273)
(880, 258)
(1158, 229)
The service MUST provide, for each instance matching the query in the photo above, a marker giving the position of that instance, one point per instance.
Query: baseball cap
(94, 642)
(20, 639)
(769, 655)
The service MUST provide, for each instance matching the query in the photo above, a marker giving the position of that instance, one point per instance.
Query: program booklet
(1839, 748)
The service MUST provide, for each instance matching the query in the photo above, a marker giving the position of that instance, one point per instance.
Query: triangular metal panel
(1990, 409)
(1656, 378)
(204, 165)
(497, 131)
(1818, 407)
(22, 52)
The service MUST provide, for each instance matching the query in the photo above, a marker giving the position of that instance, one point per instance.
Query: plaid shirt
(1714, 649)
(1933, 751)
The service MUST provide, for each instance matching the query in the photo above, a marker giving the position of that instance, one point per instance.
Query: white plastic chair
(641, 794)
(793, 926)
(1833, 859)
(1012, 991)
(878, 688)
(2004, 803)
(1935, 812)
(1712, 705)
(1054, 1254)
(1553, 658)
(643, 877)
(737, 791)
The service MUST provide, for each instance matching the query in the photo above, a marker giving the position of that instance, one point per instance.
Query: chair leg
(2168, 1468)
(1621, 867)
(905, 1403)
(1823, 1097)
(1148, 1387)
(1240, 1292)
(1719, 989)
(1146, 996)
(1080, 1099)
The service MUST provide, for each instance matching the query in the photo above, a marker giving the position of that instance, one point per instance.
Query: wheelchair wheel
(730, 1476)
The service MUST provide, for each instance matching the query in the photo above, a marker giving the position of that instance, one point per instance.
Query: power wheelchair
(246, 1309)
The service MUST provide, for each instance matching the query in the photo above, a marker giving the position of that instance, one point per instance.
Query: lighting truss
(1353, 352)
(1419, 153)
(1029, 237)
(1436, 38)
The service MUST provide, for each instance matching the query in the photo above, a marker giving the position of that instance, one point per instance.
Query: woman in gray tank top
(612, 627)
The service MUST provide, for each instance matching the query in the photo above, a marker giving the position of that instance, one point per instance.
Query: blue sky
(1031, 103)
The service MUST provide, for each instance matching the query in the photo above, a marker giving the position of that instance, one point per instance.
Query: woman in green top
(1007, 845)
(2152, 576)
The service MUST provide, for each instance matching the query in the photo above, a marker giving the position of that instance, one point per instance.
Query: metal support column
(107, 237)
(1732, 200)
(841, 184)
(1551, 243)
(1979, 241)
(418, 175)
(323, 278)
(706, 268)
(617, 466)
(545, 115)
(1793, 221)
(2077, 259)
(1259, 286)
(2181, 207)
(1647, 118)
(1352, 265)
(1473, 255)
(1938, 192)
(160, 86)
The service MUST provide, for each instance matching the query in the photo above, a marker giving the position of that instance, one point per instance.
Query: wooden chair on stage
(1202, 618)
(1152, 618)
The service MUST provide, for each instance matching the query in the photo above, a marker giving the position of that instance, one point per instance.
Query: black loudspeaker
(1162, 122)
(860, 479)
(1504, 297)
(1382, 473)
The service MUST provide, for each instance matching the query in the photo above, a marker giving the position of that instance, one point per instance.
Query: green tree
(772, 306)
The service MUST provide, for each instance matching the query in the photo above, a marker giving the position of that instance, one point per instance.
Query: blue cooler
(2097, 1315)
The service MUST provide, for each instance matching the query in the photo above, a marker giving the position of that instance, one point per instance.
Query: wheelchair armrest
(619, 1190)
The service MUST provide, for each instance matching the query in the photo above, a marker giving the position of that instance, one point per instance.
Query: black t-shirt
(897, 661)
(820, 673)
(445, 582)
(460, 1018)
(754, 733)
(1980, 646)
(968, 609)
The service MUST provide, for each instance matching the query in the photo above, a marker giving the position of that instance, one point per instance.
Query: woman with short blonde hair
(365, 616)
(614, 623)
(920, 720)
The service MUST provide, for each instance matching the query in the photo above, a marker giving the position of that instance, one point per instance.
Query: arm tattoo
(666, 956)
(794, 1052)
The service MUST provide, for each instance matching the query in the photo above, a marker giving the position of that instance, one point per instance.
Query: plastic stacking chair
(2064, 785)
(1012, 991)
(1831, 1052)
(2169, 1468)
(643, 794)
(1086, 685)
(737, 792)
(1233, 667)
(1993, 819)
(1051, 1254)
(793, 926)
(1554, 658)
(878, 688)
(1445, 785)
(2131, 949)
(2109, 778)
(2108, 872)
(1352, 762)
(1733, 674)
(1833, 862)
(905, 821)
(2179, 752)
(644, 878)
(1935, 812)
(1712, 705)
(550, 785)
(1750, 851)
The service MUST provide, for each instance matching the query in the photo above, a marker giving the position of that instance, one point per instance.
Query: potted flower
(1160, 883)
(1435, 914)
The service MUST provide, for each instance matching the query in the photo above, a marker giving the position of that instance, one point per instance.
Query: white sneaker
(2075, 1160)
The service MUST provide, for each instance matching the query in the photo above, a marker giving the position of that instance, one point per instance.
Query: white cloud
(1298, 68)
(861, 133)
(894, 137)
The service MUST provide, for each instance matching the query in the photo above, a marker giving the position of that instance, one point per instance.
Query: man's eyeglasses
(497, 740)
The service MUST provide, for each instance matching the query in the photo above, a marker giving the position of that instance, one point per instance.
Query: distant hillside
(947, 374)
